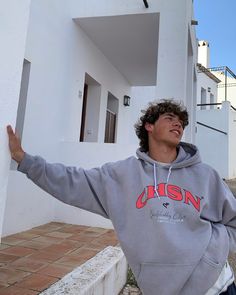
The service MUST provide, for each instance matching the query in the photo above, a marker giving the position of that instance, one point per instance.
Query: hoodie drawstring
(169, 173)
(155, 178)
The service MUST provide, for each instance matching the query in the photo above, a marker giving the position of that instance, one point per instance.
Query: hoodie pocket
(203, 277)
(211, 262)
(163, 279)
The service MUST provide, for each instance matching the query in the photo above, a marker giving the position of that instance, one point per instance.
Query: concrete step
(104, 274)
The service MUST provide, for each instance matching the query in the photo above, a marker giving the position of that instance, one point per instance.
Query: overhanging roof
(130, 42)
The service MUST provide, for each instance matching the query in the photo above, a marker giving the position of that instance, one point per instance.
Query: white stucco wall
(14, 21)
(214, 146)
(172, 60)
(230, 91)
(206, 82)
(232, 143)
(60, 54)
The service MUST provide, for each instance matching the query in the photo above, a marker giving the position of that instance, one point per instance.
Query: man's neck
(163, 153)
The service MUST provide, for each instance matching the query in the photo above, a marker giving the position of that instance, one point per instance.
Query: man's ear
(148, 127)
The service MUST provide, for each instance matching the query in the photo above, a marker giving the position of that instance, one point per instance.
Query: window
(111, 119)
(203, 98)
(84, 106)
(212, 100)
(110, 127)
(90, 110)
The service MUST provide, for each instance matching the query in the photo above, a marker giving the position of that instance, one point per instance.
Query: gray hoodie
(176, 224)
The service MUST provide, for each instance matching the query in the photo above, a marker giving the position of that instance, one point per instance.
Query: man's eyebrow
(174, 116)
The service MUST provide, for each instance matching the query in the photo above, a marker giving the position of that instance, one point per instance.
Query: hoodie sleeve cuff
(26, 163)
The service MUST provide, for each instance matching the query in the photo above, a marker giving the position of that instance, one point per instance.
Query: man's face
(167, 129)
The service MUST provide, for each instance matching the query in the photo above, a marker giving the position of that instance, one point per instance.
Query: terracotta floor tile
(18, 251)
(3, 246)
(35, 244)
(71, 230)
(104, 243)
(81, 227)
(89, 233)
(97, 230)
(71, 261)
(11, 276)
(74, 229)
(6, 258)
(48, 240)
(12, 241)
(3, 285)
(107, 239)
(24, 236)
(43, 256)
(82, 238)
(28, 264)
(83, 253)
(72, 243)
(63, 248)
(17, 291)
(58, 223)
(36, 231)
(49, 227)
(57, 234)
(51, 251)
(36, 282)
(94, 246)
(56, 271)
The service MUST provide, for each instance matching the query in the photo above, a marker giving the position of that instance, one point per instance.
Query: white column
(13, 29)
(172, 53)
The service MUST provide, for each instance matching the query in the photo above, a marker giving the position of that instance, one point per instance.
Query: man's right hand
(17, 153)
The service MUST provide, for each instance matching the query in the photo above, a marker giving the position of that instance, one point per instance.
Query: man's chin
(174, 143)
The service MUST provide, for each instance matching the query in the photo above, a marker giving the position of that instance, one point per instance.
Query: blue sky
(216, 24)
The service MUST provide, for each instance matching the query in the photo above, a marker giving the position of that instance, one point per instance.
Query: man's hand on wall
(17, 153)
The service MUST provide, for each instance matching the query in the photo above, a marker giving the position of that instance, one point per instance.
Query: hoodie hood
(188, 155)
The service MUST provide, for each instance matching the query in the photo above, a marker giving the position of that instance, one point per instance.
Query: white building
(227, 86)
(215, 116)
(79, 60)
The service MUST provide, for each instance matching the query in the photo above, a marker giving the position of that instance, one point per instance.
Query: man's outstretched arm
(17, 153)
(74, 186)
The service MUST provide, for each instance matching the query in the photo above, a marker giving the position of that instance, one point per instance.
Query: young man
(173, 215)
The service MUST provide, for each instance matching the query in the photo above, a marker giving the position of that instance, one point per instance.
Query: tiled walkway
(33, 260)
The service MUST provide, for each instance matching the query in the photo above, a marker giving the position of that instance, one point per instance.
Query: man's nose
(176, 122)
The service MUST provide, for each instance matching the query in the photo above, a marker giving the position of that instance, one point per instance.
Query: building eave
(204, 70)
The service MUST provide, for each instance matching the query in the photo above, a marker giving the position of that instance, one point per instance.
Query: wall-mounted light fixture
(126, 101)
(194, 22)
(145, 3)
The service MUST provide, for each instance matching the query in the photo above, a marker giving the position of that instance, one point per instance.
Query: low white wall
(214, 146)
(232, 144)
(88, 155)
(27, 205)
(104, 274)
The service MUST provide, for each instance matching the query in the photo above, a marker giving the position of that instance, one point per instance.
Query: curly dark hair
(151, 115)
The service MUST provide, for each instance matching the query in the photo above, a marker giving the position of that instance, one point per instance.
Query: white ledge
(104, 274)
